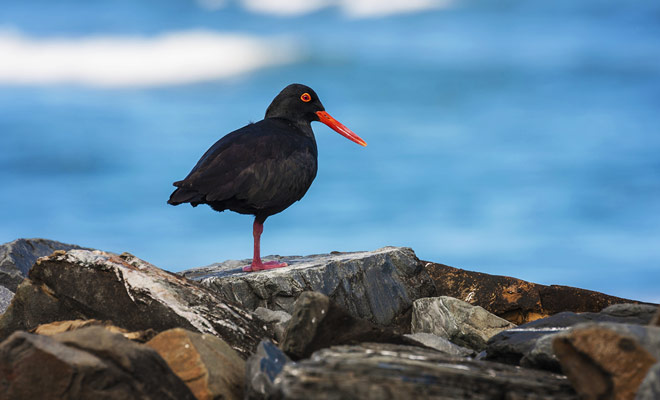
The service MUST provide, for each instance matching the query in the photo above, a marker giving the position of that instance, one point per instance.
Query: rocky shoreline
(82, 323)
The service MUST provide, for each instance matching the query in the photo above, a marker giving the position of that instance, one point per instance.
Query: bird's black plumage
(262, 168)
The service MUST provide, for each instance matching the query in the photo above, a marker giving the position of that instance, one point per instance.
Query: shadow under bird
(264, 167)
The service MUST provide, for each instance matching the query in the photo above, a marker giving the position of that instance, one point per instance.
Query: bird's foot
(263, 266)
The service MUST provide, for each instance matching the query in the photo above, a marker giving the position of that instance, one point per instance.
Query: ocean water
(518, 138)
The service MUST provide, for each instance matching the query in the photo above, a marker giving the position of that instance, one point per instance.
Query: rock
(649, 389)
(386, 371)
(513, 299)
(276, 321)
(89, 363)
(512, 345)
(602, 363)
(318, 323)
(5, 298)
(541, 355)
(455, 320)
(132, 293)
(379, 286)
(17, 257)
(641, 314)
(56, 327)
(205, 363)
(655, 321)
(438, 343)
(263, 367)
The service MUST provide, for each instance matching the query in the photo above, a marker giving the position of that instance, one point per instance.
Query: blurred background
(515, 138)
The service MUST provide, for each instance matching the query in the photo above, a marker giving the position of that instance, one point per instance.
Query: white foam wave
(111, 61)
(351, 8)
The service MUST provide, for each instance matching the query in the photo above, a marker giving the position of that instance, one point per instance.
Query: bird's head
(300, 104)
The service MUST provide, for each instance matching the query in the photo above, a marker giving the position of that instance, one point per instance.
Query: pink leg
(257, 265)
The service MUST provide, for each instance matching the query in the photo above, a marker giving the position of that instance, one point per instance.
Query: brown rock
(513, 299)
(210, 368)
(56, 327)
(602, 363)
(133, 294)
(89, 363)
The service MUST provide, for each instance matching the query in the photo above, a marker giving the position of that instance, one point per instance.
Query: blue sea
(517, 138)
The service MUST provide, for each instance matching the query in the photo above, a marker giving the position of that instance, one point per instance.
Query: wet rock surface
(460, 322)
(130, 292)
(379, 286)
(513, 299)
(89, 363)
(17, 257)
(386, 371)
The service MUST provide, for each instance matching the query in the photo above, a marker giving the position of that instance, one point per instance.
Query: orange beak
(340, 128)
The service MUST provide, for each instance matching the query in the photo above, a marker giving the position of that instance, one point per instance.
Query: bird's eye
(306, 97)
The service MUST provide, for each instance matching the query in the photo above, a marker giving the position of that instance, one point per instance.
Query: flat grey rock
(440, 344)
(457, 321)
(17, 257)
(386, 371)
(377, 285)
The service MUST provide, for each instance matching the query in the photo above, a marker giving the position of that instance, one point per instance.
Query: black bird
(264, 167)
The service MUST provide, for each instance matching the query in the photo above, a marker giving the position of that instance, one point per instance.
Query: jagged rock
(513, 299)
(438, 343)
(56, 327)
(262, 369)
(606, 360)
(318, 323)
(276, 321)
(89, 363)
(379, 286)
(5, 298)
(17, 257)
(455, 320)
(649, 389)
(205, 363)
(512, 345)
(132, 293)
(386, 371)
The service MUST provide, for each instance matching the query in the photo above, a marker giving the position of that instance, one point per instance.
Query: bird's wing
(248, 164)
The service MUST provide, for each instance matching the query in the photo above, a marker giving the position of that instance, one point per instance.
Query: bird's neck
(305, 127)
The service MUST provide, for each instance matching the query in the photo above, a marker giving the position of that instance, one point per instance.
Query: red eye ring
(306, 97)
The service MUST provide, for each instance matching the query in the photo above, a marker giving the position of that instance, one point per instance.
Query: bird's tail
(183, 195)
